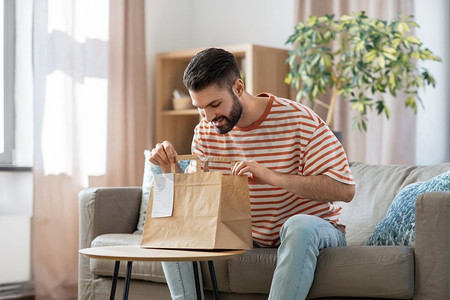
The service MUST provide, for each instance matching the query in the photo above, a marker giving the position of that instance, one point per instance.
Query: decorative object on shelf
(181, 101)
(360, 59)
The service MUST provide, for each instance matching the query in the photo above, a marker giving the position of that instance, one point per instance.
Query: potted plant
(360, 59)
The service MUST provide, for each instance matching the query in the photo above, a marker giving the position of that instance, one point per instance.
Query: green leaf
(415, 55)
(390, 56)
(405, 43)
(435, 57)
(392, 82)
(364, 125)
(315, 91)
(396, 42)
(323, 19)
(359, 46)
(380, 106)
(411, 102)
(380, 87)
(316, 59)
(381, 61)
(380, 25)
(360, 122)
(370, 56)
(288, 78)
(387, 112)
(346, 18)
(359, 106)
(388, 49)
(402, 27)
(411, 23)
(299, 96)
(328, 60)
(296, 82)
(413, 40)
(311, 20)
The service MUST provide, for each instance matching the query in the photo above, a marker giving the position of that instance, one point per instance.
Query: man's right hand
(163, 155)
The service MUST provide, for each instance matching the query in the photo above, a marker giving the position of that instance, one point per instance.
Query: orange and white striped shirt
(288, 138)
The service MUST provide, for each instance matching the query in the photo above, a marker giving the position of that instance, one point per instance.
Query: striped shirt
(288, 138)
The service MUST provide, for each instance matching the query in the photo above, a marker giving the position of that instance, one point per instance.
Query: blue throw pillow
(149, 171)
(398, 228)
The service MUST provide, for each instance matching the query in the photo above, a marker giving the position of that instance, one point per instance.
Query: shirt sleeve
(325, 155)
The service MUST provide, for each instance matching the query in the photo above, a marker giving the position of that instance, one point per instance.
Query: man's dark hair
(211, 66)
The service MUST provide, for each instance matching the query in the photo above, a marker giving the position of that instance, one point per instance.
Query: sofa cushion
(341, 271)
(398, 228)
(151, 271)
(253, 271)
(423, 173)
(376, 187)
(372, 199)
(376, 272)
(149, 171)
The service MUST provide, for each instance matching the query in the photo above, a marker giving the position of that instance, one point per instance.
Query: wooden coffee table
(136, 253)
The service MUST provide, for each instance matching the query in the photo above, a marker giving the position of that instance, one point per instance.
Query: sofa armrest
(432, 246)
(103, 210)
(107, 210)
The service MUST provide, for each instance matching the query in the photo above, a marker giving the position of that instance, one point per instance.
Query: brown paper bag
(210, 211)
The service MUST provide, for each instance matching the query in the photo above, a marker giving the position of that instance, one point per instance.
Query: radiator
(15, 256)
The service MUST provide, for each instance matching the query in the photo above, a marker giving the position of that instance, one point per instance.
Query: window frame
(7, 156)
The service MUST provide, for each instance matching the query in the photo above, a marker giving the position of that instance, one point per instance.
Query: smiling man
(296, 167)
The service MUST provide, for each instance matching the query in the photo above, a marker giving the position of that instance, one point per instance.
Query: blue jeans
(302, 237)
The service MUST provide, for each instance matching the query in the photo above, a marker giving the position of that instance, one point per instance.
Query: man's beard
(231, 121)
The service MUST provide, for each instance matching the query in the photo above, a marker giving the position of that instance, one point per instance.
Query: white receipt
(162, 195)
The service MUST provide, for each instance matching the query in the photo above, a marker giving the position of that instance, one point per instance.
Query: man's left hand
(255, 172)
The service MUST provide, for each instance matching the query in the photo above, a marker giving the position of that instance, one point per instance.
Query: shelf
(181, 112)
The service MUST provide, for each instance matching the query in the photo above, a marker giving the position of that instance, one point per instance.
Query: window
(7, 59)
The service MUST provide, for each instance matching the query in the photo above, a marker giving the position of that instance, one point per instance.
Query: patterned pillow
(398, 228)
(149, 171)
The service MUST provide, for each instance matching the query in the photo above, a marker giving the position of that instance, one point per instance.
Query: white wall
(184, 24)
(265, 22)
(433, 122)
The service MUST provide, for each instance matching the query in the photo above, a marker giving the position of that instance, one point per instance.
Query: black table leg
(114, 281)
(197, 280)
(127, 280)
(212, 273)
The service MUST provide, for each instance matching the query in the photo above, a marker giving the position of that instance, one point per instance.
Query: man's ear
(238, 87)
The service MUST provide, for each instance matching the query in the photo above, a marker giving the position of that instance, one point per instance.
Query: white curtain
(71, 70)
(90, 88)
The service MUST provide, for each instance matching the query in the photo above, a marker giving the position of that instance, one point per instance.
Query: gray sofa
(108, 216)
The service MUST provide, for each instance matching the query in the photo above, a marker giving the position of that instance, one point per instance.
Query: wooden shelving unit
(264, 69)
